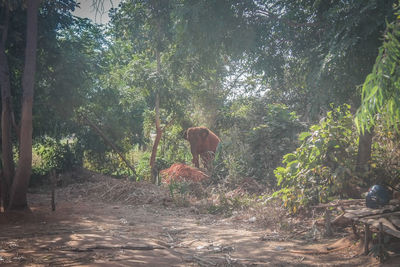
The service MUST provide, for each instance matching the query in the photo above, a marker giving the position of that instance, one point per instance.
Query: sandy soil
(85, 231)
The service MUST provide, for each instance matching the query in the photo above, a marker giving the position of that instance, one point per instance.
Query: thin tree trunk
(1, 189)
(7, 153)
(364, 151)
(153, 165)
(6, 100)
(20, 184)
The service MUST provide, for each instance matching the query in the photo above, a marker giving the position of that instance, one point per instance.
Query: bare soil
(94, 228)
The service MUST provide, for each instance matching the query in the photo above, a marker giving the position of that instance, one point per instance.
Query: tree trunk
(364, 151)
(6, 100)
(6, 141)
(153, 165)
(20, 184)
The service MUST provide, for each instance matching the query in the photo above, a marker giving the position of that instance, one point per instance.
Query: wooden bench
(385, 219)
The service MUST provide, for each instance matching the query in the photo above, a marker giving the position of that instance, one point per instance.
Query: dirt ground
(85, 230)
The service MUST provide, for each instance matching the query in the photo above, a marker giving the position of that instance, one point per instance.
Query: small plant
(227, 205)
(218, 169)
(179, 192)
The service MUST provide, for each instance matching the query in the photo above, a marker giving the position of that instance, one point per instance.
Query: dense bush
(142, 167)
(259, 135)
(173, 147)
(61, 156)
(51, 154)
(385, 164)
(323, 165)
(109, 163)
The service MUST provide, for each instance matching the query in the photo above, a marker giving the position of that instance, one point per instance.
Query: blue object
(377, 196)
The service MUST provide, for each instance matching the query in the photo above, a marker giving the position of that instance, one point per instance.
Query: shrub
(51, 154)
(259, 135)
(179, 192)
(218, 169)
(173, 147)
(385, 166)
(108, 163)
(323, 165)
(142, 167)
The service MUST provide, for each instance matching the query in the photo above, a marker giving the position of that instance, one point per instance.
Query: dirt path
(87, 232)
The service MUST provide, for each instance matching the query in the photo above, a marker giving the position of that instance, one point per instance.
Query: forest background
(303, 94)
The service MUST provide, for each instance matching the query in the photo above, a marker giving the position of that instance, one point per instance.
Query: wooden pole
(355, 232)
(367, 234)
(53, 182)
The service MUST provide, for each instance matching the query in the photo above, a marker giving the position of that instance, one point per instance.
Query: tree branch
(107, 140)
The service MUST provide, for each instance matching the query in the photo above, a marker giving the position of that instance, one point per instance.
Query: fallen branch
(109, 190)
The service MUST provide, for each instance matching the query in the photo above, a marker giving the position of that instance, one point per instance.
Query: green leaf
(304, 135)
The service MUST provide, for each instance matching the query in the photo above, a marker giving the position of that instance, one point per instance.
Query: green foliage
(68, 65)
(142, 167)
(218, 169)
(322, 166)
(215, 56)
(51, 154)
(271, 139)
(313, 53)
(109, 163)
(173, 148)
(179, 192)
(381, 89)
(259, 135)
(60, 156)
(385, 155)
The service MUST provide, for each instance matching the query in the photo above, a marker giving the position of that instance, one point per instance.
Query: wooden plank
(395, 219)
(341, 202)
(388, 227)
(357, 214)
(351, 216)
(384, 215)
(389, 216)
(390, 231)
(364, 212)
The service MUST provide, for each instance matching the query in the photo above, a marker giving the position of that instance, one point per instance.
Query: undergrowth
(237, 204)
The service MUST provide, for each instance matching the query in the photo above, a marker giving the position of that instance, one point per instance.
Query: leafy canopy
(381, 89)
